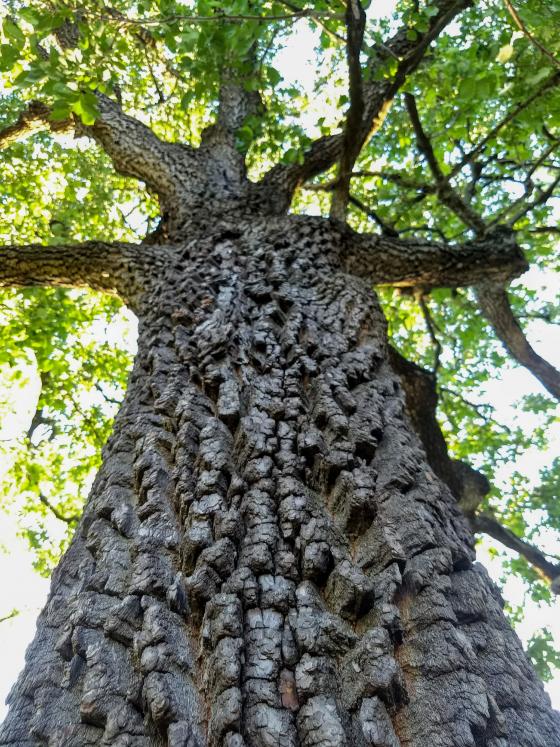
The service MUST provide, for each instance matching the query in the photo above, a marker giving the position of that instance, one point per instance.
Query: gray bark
(266, 557)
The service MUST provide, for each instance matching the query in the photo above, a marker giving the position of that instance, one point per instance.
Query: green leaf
(13, 32)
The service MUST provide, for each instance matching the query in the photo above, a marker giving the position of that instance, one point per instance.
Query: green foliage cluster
(164, 59)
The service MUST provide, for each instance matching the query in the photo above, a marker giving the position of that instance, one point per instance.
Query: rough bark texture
(266, 557)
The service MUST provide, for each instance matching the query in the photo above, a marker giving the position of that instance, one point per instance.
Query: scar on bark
(467, 484)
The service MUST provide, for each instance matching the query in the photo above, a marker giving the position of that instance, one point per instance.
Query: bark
(36, 118)
(402, 262)
(467, 484)
(112, 267)
(266, 557)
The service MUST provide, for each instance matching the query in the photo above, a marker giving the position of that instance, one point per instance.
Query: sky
(21, 588)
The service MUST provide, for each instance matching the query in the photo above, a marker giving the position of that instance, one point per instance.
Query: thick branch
(109, 267)
(402, 262)
(355, 23)
(495, 306)
(486, 523)
(36, 118)
(132, 146)
(136, 151)
(421, 401)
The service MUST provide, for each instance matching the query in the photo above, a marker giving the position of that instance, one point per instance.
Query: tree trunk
(266, 557)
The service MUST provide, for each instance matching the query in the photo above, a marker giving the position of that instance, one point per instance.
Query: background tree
(262, 495)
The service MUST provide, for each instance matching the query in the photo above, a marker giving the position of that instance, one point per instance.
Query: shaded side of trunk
(266, 557)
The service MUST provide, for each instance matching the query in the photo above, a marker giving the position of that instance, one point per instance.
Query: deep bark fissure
(266, 557)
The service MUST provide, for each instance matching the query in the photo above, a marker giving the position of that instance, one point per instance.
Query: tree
(273, 551)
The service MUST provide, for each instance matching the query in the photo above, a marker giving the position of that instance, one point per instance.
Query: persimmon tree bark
(266, 556)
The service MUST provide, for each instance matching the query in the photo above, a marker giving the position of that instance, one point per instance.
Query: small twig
(386, 228)
(525, 31)
(431, 327)
(123, 20)
(10, 615)
(332, 34)
(478, 408)
(55, 511)
(106, 397)
(540, 200)
(511, 115)
(426, 229)
(545, 229)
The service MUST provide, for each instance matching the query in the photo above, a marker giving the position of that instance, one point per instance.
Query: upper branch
(408, 262)
(486, 523)
(351, 146)
(136, 150)
(495, 306)
(409, 49)
(111, 267)
(547, 85)
(443, 189)
(491, 295)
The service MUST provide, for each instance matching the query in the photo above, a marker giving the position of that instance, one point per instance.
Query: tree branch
(109, 267)
(386, 228)
(444, 191)
(36, 118)
(72, 519)
(402, 262)
(409, 48)
(136, 150)
(486, 523)
(132, 146)
(525, 31)
(421, 401)
(122, 20)
(351, 145)
(545, 86)
(491, 295)
(495, 306)
(14, 613)
(431, 327)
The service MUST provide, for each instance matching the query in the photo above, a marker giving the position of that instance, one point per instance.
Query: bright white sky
(23, 589)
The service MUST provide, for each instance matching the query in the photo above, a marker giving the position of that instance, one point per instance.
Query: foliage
(164, 59)
(541, 650)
